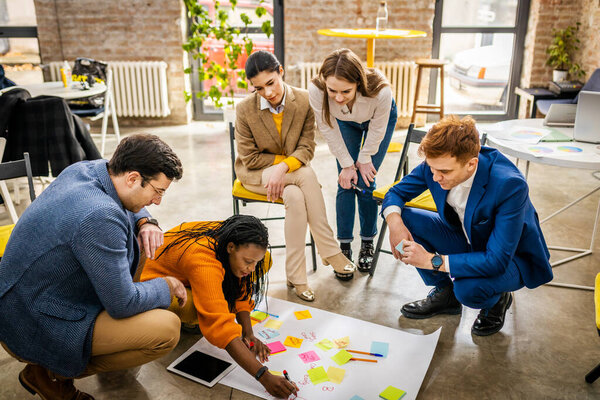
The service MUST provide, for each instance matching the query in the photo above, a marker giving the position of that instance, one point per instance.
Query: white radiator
(140, 87)
(402, 76)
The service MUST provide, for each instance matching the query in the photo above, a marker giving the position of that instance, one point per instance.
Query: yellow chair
(595, 373)
(243, 195)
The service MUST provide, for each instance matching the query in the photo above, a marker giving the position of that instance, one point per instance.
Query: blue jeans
(354, 135)
(430, 231)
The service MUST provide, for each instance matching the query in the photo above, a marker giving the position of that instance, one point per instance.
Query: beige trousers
(304, 205)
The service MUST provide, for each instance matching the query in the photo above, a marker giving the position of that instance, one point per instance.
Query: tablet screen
(202, 366)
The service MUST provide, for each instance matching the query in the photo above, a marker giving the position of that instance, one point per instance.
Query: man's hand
(416, 255)
(150, 238)
(276, 182)
(177, 289)
(347, 177)
(367, 171)
(398, 232)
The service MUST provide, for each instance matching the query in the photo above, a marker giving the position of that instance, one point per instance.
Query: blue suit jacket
(500, 220)
(71, 255)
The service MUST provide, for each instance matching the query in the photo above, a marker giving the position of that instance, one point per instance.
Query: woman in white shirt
(356, 114)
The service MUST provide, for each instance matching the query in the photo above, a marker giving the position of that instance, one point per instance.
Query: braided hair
(239, 230)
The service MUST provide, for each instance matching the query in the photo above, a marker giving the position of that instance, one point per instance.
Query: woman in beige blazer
(274, 130)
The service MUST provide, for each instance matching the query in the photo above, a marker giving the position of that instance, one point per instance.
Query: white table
(59, 90)
(587, 158)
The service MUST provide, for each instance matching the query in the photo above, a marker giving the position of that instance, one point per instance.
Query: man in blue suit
(484, 241)
(69, 306)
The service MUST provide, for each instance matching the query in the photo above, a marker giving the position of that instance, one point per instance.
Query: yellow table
(371, 35)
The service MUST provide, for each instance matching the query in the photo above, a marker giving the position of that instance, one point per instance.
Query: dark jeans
(354, 135)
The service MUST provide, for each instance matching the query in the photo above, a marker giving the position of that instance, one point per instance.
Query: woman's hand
(276, 182)
(278, 386)
(347, 177)
(259, 348)
(367, 171)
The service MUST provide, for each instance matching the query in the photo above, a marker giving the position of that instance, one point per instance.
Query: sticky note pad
(355, 397)
(342, 357)
(268, 333)
(253, 322)
(335, 374)
(309, 356)
(276, 347)
(273, 323)
(325, 344)
(342, 342)
(302, 314)
(392, 393)
(293, 341)
(380, 348)
(278, 373)
(317, 375)
(400, 247)
(258, 315)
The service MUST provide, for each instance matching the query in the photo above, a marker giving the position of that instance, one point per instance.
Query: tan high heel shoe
(302, 291)
(343, 268)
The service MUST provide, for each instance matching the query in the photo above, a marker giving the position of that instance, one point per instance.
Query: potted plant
(220, 47)
(561, 51)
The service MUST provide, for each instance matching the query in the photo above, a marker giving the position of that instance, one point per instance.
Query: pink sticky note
(276, 347)
(309, 356)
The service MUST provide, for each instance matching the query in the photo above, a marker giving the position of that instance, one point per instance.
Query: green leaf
(267, 28)
(260, 11)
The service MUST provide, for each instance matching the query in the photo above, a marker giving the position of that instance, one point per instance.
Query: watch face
(436, 261)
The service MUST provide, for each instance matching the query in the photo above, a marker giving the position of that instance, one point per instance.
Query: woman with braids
(356, 114)
(224, 266)
(274, 131)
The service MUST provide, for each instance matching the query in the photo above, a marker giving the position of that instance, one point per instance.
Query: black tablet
(201, 367)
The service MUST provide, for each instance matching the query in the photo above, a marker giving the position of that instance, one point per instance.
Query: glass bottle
(382, 17)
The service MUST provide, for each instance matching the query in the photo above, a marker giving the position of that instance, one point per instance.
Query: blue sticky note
(355, 397)
(380, 348)
(400, 246)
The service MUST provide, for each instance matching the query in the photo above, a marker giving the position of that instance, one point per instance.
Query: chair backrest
(18, 169)
(232, 148)
(592, 84)
(416, 136)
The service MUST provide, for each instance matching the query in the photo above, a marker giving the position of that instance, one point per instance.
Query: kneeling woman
(274, 130)
(225, 266)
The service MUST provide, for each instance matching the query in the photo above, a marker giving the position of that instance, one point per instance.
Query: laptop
(587, 119)
(561, 115)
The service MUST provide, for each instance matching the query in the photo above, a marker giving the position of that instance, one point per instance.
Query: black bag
(88, 72)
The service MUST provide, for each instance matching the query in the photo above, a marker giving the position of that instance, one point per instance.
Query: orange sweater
(199, 269)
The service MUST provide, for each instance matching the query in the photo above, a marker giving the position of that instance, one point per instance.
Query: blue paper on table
(400, 247)
(380, 348)
(355, 397)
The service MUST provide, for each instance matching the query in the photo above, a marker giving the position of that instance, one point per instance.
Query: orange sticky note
(291, 341)
(342, 342)
(302, 314)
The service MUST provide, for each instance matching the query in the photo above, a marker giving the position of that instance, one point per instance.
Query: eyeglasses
(159, 192)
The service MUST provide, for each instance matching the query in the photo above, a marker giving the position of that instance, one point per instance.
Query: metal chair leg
(313, 253)
(378, 247)
(593, 374)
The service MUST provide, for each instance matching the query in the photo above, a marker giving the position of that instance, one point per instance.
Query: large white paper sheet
(404, 367)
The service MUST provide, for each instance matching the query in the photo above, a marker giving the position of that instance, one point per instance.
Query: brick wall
(113, 30)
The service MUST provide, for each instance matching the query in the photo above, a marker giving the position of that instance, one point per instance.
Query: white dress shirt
(264, 104)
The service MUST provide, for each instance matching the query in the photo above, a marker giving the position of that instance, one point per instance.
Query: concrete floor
(548, 344)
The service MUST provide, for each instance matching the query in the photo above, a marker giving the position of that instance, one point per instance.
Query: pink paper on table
(276, 347)
(309, 356)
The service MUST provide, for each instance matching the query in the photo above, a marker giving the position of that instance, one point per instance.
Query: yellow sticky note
(342, 357)
(253, 322)
(291, 341)
(342, 342)
(317, 375)
(258, 315)
(273, 324)
(275, 372)
(325, 344)
(335, 374)
(302, 314)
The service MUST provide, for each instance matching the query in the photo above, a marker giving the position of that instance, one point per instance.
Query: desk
(588, 158)
(531, 95)
(59, 90)
(371, 35)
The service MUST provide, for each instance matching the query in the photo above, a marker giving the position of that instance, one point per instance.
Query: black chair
(243, 195)
(592, 85)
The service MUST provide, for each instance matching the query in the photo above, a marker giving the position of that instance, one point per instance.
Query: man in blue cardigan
(484, 241)
(68, 304)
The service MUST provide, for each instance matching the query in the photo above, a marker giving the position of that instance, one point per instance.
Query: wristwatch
(436, 262)
(143, 221)
(260, 372)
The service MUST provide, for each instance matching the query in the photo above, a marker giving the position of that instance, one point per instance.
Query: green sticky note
(258, 315)
(342, 357)
(325, 344)
(317, 375)
(392, 393)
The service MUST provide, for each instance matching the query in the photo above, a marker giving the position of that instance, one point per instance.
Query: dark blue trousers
(435, 235)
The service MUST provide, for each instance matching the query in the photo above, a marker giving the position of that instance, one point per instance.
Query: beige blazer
(258, 141)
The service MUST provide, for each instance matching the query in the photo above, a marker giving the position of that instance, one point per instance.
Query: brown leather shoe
(38, 380)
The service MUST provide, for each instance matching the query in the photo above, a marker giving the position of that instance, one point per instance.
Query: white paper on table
(404, 367)
(521, 134)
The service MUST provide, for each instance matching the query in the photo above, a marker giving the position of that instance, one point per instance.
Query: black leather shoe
(438, 301)
(491, 321)
(347, 253)
(365, 257)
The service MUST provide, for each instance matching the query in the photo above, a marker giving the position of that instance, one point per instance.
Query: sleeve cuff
(447, 265)
(391, 209)
(364, 158)
(293, 163)
(278, 158)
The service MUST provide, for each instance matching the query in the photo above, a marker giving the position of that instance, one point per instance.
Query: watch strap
(260, 372)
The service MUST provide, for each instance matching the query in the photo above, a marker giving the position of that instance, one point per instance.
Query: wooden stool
(429, 108)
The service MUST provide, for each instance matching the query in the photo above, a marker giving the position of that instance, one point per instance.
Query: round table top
(57, 89)
(570, 154)
(372, 33)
